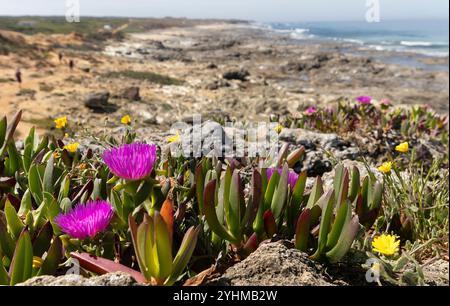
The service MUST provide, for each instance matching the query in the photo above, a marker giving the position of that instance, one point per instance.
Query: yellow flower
(82, 166)
(126, 120)
(56, 155)
(60, 122)
(402, 148)
(278, 128)
(386, 244)
(72, 147)
(37, 262)
(386, 167)
(174, 138)
(66, 135)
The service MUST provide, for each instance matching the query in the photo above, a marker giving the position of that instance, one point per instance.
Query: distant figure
(71, 64)
(19, 76)
(60, 56)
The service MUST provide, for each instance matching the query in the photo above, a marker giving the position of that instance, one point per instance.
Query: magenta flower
(364, 99)
(292, 177)
(131, 161)
(311, 110)
(86, 220)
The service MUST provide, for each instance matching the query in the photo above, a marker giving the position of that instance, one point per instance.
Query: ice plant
(292, 177)
(386, 245)
(60, 122)
(153, 246)
(402, 148)
(311, 110)
(71, 147)
(86, 220)
(131, 161)
(125, 120)
(385, 167)
(364, 99)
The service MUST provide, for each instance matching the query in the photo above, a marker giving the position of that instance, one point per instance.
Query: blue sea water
(427, 37)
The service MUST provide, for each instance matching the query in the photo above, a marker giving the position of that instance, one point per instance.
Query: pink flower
(131, 161)
(364, 99)
(86, 220)
(311, 110)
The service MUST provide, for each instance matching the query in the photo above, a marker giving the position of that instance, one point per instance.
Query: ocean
(426, 37)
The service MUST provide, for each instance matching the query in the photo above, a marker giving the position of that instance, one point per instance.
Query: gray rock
(110, 279)
(436, 273)
(98, 102)
(240, 75)
(321, 149)
(131, 93)
(275, 264)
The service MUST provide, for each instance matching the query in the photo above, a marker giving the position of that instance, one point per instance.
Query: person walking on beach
(19, 76)
(60, 56)
(71, 64)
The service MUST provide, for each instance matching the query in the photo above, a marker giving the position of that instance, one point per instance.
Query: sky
(256, 10)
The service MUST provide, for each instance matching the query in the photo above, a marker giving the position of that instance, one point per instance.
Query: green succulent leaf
(280, 195)
(25, 203)
(316, 193)
(15, 225)
(6, 242)
(343, 215)
(162, 244)
(354, 184)
(43, 240)
(4, 277)
(3, 126)
(302, 230)
(327, 201)
(345, 241)
(35, 183)
(210, 213)
(184, 254)
(54, 256)
(235, 214)
(21, 264)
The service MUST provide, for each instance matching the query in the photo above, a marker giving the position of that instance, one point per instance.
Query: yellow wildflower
(72, 147)
(278, 128)
(386, 244)
(82, 166)
(402, 148)
(174, 138)
(385, 167)
(66, 135)
(60, 122)
(37, 262)
(126, 120)
(56, 155)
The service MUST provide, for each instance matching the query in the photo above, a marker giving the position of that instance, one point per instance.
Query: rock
(240, 75)
(110, 279)
(217, 84)
(211, 66)
(275, 264)
(319, 147)
(98, 102)
(131, 93)
(436, 273)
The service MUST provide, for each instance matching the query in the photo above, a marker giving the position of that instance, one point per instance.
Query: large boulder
(275, 264)
(98, 102)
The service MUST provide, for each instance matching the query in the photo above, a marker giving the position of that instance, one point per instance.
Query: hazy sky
(259, 10)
